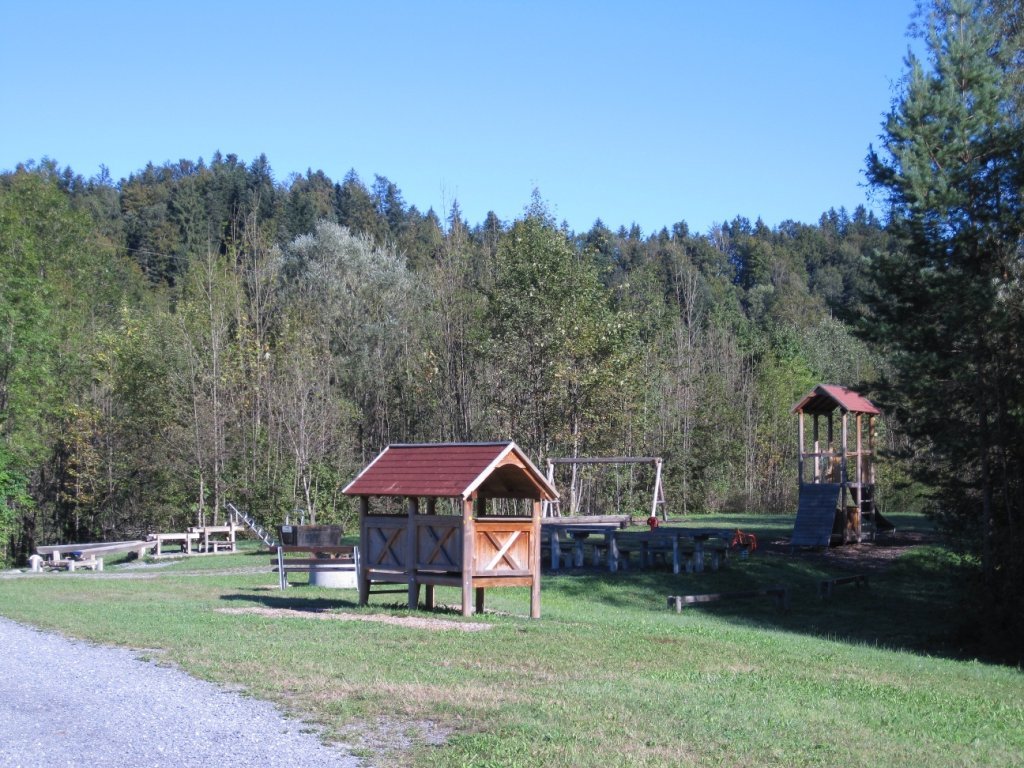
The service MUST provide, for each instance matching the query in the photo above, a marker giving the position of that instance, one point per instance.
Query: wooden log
(826, 586)
(779, 593)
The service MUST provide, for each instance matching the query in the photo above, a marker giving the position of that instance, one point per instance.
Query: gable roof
(452, 470)
(825, 398)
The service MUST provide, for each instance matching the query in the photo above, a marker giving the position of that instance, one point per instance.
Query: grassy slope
(608, 676)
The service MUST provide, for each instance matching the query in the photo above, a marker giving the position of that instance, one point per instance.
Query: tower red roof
(825, 398)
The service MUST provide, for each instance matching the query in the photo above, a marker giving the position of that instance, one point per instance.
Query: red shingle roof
(452, 470)
(825, 398)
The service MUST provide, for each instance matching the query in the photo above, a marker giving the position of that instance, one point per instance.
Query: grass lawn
(607, 677)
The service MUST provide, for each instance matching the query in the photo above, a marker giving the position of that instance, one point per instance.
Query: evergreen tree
(947, 305)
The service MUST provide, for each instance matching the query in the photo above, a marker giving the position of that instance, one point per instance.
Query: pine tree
(947, 304)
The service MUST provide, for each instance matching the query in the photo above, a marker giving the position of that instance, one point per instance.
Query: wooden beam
(468, 540)
(871, 449)
(658, 494)
(843, 479)
(363, 578)
(535, 533)
(800, 443)
(412, 508)
(817, 450)
(860, 454)
(607, 460)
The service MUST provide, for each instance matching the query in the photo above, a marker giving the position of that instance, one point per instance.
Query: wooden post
(550, 507)
(468, 536)
(800, 443)
(535, 562)
(613, 551)
(412, 507)
(657, 493)
(817, 452)
(860, 476)
(831, 450)
(860, 452)
(572, 490)
(363, 576)
(871, 453)
(843, 479)
(842, 450)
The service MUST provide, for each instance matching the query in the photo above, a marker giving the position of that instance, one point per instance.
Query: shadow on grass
(914, 604)
(292, 602)
(319, 604)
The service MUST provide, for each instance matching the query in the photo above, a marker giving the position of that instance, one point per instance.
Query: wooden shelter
(836, 467)
(480, 548)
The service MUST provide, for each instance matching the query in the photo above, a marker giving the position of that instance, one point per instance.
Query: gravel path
(65, 702)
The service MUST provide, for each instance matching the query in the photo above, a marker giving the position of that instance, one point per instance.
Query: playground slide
(816, 515)
(882, 524)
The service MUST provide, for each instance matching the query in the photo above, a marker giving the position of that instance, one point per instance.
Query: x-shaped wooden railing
(389, 542)
(439, 542)
(503, 553)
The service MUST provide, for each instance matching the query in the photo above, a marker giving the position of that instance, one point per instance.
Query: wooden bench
(826, 586)
(318, 559)
(779, 593)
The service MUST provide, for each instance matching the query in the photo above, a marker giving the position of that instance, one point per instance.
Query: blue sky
(645, 112)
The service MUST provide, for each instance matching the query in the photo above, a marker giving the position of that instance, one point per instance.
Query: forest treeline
(198, 333)
(202, 332)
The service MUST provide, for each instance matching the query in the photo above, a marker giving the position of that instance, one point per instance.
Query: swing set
(604, 485)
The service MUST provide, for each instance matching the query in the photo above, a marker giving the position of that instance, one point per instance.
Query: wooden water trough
(485, 544)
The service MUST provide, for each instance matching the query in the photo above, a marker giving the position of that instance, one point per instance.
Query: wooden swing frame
(553, 508)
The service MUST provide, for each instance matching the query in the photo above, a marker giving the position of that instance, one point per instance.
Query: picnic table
(215, 538)
(678, 542)
(575, 535)
(186, 540)
(618, 545)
